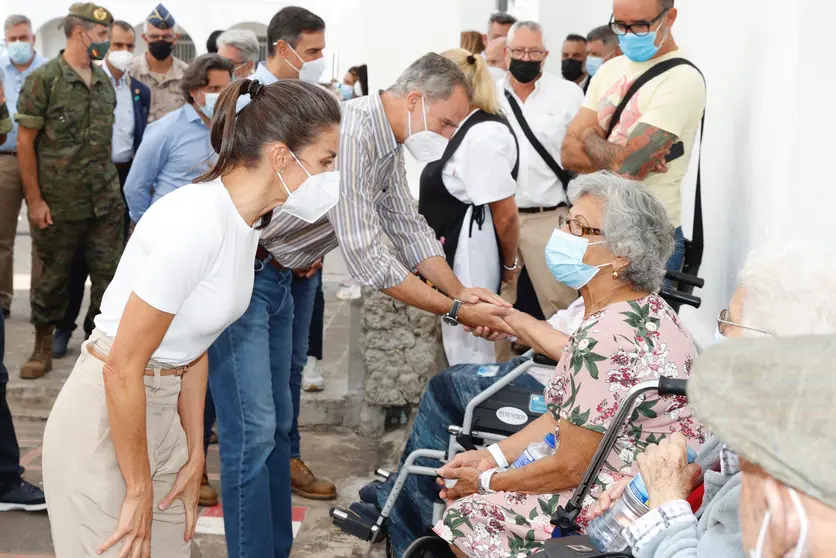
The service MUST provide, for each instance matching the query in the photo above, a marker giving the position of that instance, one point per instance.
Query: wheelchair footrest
(359, 526)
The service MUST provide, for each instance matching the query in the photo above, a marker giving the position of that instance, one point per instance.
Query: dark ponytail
(292, 112)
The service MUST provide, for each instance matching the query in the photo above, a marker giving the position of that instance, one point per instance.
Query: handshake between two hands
(483, 313)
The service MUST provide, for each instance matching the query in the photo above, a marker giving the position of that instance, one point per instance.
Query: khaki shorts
(83, 484)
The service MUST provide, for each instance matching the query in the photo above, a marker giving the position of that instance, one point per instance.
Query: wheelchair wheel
(429, 547)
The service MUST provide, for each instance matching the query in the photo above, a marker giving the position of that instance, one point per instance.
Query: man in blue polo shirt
(20, 60)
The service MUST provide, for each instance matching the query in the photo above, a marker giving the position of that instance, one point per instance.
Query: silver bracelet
(515, 267)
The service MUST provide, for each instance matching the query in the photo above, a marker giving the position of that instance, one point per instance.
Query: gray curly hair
(635, 225)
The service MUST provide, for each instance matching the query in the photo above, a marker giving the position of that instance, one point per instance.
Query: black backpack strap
(561, 174)
(693, 248)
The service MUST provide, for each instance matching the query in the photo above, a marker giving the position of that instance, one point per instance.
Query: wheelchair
(496, 413)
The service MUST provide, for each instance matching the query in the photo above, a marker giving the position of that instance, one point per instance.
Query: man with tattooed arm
(653, 138)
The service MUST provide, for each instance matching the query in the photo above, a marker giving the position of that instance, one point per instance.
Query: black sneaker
(23, 496)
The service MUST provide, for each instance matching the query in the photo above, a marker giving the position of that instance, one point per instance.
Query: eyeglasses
(535, 54)
(724, 322)
(577, 228)
(154, 37)
(640, 28)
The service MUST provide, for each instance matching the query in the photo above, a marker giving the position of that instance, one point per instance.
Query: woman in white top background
(123, 447)
(467, 197)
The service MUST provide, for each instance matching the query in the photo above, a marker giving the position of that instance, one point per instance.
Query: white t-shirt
(192, 255)
(549, 110)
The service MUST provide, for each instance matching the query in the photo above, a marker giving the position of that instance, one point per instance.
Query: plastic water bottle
(606, 530)
(537, 450)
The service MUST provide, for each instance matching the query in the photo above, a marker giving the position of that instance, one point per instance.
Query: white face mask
(310, 71)
(719, 337)
(120, 59)
(317, 195)
(497, 73)
(425, 146)
(804, 528)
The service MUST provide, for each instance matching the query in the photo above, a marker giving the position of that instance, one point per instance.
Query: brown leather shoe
(208, 494)
(305, 484)
(41, 360)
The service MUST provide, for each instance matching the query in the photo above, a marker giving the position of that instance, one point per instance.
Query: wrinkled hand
(308, 272)
(666, 472)
(134, 526)
(481, 460)
(486, 315)
(488, 334)
(608, 498)
(186, 488)
(466, 479)
(474, 295)
(39, 214)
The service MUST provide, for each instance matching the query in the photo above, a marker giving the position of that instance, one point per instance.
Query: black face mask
(572, 69)
(160, 49)
(525, 71)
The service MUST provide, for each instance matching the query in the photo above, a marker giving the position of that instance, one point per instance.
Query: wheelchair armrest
(685, 279)
(543, 360)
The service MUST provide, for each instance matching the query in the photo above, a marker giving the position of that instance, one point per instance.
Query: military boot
(41, 360)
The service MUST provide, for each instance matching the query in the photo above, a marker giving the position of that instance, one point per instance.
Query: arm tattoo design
(647, 147)
(603, 154)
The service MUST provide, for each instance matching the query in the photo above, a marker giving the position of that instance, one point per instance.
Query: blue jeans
(304, 297)
(443, 404)
(249, 374)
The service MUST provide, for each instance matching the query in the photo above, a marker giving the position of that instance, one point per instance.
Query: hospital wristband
(498, 456)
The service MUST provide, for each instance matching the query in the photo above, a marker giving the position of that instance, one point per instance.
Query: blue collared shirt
(174, 151)
(264, 75)
(123, 123)
(12, 82)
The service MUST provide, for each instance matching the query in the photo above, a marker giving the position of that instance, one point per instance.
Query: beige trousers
(83, 484)
(11, 199)
(535, 231)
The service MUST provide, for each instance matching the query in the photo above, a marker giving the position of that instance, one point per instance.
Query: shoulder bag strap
(561, 174)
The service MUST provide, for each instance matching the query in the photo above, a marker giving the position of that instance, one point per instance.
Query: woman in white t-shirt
(123, 447)
(467, 197)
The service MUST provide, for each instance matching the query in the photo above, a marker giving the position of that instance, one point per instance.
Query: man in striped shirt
(251, 361)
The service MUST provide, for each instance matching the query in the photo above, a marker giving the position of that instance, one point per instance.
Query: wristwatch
(451, 318)
(483, 484)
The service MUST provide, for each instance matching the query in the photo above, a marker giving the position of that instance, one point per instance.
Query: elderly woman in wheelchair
(613, 248)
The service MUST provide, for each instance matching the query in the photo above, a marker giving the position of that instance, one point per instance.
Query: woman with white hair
(784, 291)
(612, 248)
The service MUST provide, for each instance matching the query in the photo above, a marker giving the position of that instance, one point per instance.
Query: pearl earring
(615, 274)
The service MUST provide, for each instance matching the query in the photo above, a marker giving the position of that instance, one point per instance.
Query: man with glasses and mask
(239, 46)
(158, 68)
(653, 139)
(539, 107)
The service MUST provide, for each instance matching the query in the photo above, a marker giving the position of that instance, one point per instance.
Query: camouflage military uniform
(78, 181)
(165, 89)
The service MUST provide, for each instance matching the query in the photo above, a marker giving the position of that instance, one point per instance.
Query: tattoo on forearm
(602, 153)
(648, 146)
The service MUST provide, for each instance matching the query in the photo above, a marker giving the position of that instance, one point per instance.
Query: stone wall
(401, 348)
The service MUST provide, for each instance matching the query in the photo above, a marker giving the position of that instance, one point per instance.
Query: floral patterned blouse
(622, 345)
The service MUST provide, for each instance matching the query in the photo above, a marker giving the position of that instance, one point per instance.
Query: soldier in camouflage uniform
(65, 118)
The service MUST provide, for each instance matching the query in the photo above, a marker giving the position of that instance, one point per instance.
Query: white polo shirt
(548, 110)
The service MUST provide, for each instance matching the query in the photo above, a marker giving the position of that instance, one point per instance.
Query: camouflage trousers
(101, 239)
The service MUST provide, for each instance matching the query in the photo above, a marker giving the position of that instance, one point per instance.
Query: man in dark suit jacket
(133, 103)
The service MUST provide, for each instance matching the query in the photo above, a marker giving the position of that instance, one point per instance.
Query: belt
(9, 153)
(123, 165)
(541, 209)
(148, 371)
(264, 255)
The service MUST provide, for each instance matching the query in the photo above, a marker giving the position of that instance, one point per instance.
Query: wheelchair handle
(678, 297)
(671, 386)
(680, 277)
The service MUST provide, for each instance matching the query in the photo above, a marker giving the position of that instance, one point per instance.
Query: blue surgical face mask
(593, 64)
(346, 92)
(641, 49)
(564, 258)
(20, 52)
(208, 107)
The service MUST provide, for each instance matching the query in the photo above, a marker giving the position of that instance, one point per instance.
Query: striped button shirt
(374, 199)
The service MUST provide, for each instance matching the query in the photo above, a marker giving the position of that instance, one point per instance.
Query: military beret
(161, 18)
(91, 12)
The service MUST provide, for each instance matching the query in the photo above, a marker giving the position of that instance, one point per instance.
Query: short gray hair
(531, 25)
(244, 40)
(14, 20)
(790, 290)
(603, 34)
(635, 225)
(434, 76)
